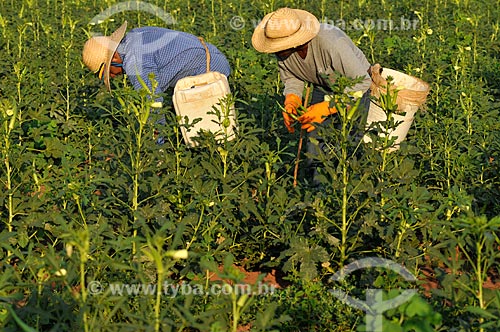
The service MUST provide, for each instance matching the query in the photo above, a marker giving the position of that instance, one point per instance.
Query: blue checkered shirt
(169, 54)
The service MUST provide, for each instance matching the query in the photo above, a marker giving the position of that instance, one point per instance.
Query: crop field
(104, 229)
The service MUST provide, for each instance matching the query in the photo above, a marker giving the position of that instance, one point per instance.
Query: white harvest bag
(197, 96)
(411, 95)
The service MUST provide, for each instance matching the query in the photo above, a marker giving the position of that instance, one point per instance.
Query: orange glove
(292, 103)
(316, 114)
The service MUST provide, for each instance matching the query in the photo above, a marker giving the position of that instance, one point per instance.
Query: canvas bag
(413, 91)
(412, 94)
(197, 96)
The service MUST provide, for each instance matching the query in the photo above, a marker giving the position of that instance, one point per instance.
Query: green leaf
(307, 256)
(22, 237)
(481, 312)
(418, 307)
(417, 326)
(54, 147)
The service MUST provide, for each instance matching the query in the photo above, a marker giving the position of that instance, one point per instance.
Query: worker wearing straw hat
(310, 52)
(170, 55)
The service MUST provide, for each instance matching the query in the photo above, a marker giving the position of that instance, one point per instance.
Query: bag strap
(375, 73)
(207, 52)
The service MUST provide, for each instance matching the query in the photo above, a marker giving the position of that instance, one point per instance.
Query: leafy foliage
(90, 200)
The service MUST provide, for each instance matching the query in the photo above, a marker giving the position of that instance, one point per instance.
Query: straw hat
(100, 49)
(283, 29)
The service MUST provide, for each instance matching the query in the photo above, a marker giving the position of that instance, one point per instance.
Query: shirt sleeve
(135, 74)
(292, 83)
(346, 60)
(135, 77)
(169, 55)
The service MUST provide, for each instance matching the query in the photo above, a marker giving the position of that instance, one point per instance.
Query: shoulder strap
(207, 52)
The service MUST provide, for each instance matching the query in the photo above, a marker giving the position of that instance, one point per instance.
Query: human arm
(293, 85)
(351, 62)
(293, 97)
(292, 104)
(139, 67)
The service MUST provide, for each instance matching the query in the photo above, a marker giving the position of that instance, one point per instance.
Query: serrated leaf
(22, 237)
(305, 255)
(418, 307)
(481, 312)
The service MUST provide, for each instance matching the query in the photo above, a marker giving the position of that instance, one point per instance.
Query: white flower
(178, 254)
(61, 273)
(69, 249)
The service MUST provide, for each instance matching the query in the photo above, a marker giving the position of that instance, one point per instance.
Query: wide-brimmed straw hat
(283, 29)
(99, 50)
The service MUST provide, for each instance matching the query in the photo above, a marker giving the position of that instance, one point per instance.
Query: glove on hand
(292, 103)
(316, 114)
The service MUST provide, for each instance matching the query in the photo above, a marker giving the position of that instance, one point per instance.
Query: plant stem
(235, 312)
(10, 195)
(480, 281)
(136, 164)
(193, 238)
(10, 201)
(214, 20)
(84, 292)
(159, 268)
(8, 168)
(297, 160)
(299, 148)
(479, 274)
(402, 231)
(83, 245)
(345, 196)
(67, 77)
(237, 308)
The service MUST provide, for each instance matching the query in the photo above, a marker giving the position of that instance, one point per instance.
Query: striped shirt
(170, 55)
(331, 50)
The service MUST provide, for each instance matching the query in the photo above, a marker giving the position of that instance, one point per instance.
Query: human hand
(292, 103)
(315, 114)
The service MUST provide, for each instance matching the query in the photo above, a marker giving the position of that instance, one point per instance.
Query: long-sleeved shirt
(331, 50)
(169, 54)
